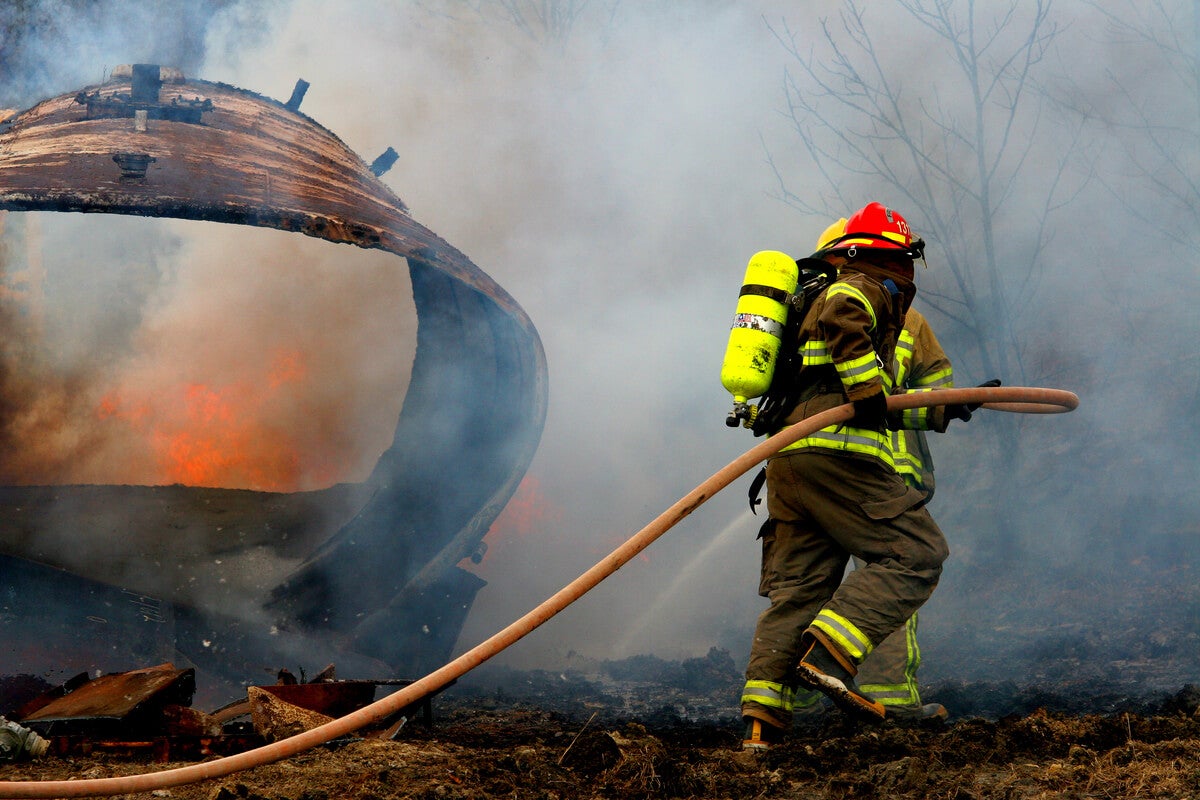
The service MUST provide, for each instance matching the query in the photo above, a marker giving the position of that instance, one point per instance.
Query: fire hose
(1019, 399)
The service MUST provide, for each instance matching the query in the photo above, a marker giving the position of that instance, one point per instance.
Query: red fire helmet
(877, 226)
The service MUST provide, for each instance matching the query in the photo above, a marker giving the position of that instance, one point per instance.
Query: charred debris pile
(148, 714)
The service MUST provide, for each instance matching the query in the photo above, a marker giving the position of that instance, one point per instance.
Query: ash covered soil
(561, 735)
(1098, 699)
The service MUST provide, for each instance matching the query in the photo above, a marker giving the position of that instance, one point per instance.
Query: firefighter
(889, 675)
(836, 494)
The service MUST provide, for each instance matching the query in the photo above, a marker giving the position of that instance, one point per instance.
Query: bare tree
(951, 127)
(550, 20)
(1148, 107)
(547, 23)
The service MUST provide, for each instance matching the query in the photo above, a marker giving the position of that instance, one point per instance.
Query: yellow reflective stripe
(915, 418)
(858, 370)
(906, 344)
(843, 631)
(850, 291)
(815, 351)
(905, 462)
(769, 694)
(914, 656)
(901, 361)
(807, 698)
(851, 440)
(943, 377)
(887, 694)
(901, 694)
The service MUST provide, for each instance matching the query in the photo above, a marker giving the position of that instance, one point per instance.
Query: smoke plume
(614, 177)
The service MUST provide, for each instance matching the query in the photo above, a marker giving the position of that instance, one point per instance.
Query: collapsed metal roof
(151, 142)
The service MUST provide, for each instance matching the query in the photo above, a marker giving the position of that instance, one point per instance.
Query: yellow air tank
(757, 330)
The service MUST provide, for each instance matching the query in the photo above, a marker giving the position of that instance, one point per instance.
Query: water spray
(1019, 399)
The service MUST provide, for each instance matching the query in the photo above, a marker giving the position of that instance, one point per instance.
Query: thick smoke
(620, 213)
(615, 181)
(154, 352)
(50, 46)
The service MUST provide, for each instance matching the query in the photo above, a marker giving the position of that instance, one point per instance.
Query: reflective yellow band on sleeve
(917, 419)
(858, 370)
(943, 378)
(814, 352)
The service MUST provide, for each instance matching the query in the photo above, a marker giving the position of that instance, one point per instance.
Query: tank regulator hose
(1020, 399)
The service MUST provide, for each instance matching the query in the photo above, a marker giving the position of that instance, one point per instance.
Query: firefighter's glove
(963, 411)
(870, 412)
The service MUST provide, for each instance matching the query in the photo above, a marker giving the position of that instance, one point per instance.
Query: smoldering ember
(264, 614)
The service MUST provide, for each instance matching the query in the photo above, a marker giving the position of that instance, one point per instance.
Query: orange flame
(206, 435)
(526, 512)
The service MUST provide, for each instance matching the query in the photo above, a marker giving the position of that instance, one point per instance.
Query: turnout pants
(824, 508)
(889, 674)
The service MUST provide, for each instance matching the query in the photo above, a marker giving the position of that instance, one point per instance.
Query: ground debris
(628, 730)
(526, 752)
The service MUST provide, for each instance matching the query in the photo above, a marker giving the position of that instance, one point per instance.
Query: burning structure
(365, 575)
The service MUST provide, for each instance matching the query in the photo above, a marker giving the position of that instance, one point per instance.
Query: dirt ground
(593, 741)
(1089, 708)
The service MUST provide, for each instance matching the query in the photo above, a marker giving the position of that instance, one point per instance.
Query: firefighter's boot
(760, 735)
(927, 714)
(823, 667)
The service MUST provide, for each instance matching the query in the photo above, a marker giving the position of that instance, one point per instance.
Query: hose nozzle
(17, 742)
